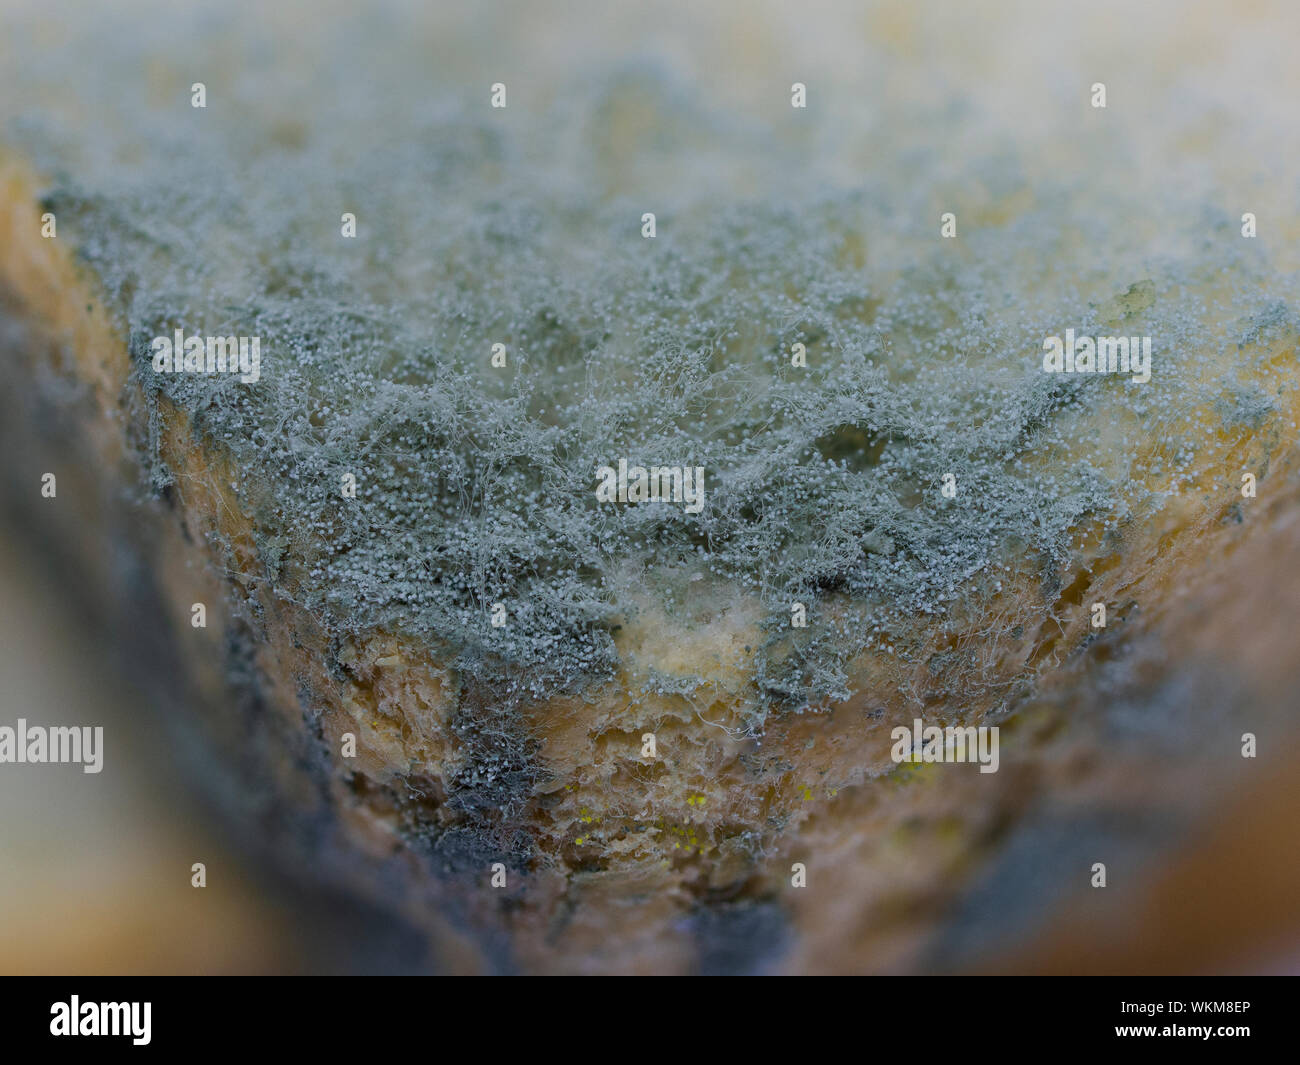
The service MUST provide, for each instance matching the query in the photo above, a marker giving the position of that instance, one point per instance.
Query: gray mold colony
(476, 484)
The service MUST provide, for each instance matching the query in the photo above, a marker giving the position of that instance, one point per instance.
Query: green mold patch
(476, 483)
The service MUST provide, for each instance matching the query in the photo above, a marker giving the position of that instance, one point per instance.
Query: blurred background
(95, 869)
